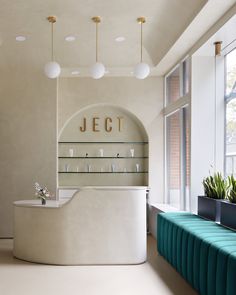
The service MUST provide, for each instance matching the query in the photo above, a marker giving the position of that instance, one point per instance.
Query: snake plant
(232, 189)
(215, 186)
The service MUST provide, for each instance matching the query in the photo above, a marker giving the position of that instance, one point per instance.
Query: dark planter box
(228, 214)
(209, 208)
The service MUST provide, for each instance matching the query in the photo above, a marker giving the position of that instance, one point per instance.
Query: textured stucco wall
(142, 98)
(28, 138)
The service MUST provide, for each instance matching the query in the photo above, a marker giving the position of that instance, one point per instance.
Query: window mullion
(183, 154)
(181, 80)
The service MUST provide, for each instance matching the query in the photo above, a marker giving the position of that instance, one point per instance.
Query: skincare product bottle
(132, 152)
(89, 168)
(101, 152)
(67, 167)
(71, 152)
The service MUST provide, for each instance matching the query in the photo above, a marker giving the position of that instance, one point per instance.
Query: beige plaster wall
(143, 98)
(28, 116)
(28, 138)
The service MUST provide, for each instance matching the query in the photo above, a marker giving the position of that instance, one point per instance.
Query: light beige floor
(155, 277)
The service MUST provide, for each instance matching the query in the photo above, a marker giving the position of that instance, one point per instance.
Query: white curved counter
(99, 225)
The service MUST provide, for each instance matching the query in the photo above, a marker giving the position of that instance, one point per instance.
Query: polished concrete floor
(155, 277)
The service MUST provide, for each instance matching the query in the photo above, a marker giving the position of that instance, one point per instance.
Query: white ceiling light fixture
(52, 69)
(142, 69)
(75, 72)
(120, 39)
(70, 38)
(20, 38)
(98, 69)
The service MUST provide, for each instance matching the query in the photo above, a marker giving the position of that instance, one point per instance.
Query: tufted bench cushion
(203, 252)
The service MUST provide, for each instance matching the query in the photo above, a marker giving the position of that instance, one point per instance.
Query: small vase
(43, 201)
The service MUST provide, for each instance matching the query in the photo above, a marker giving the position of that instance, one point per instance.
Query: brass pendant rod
(141, 42)
(218, 48)
(141, 20)
(96, 42)
(52, 19)
(96, 20)
(52, 43)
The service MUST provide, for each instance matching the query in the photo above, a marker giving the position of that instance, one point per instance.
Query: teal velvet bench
(203, 252)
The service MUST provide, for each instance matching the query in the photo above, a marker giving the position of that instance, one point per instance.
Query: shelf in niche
(93, 172)
(102, 157)
(107, 142)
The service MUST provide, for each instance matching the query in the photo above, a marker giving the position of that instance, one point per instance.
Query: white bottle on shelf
(71, 152)
(89, 168)
(137, 167)
(132, 152)
(113, 167)
(67, 167)
(101, 152)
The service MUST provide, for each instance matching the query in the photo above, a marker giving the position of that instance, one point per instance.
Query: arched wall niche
(132, 127)
(103, 144)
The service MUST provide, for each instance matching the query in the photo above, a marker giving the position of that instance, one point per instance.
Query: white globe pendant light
(97, 70)
(52, 69)
(142, 69)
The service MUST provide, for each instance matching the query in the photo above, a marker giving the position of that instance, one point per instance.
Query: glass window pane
(173, 86)
(230, 73)
(186, 77)
(173, 159)
(230, 161)
(186, 156)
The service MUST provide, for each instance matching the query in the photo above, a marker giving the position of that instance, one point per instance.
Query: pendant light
(52, 69)
(142, 69)
(98, 69)
(218, 49)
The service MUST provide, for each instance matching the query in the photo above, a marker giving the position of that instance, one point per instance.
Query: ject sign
(97, 124)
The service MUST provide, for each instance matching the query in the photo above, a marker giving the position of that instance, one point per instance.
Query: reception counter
(98, 225)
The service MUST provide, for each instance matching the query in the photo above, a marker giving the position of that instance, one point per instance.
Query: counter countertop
(104, 187)
(37, 203)
(61, 202)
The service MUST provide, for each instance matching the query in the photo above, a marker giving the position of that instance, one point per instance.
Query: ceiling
(166, 21)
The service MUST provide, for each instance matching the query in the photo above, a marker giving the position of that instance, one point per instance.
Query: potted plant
(228, 208)
(42, 193)
(215, 188)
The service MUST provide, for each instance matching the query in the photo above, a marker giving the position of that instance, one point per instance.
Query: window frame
(170, 108)
(226, 51)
